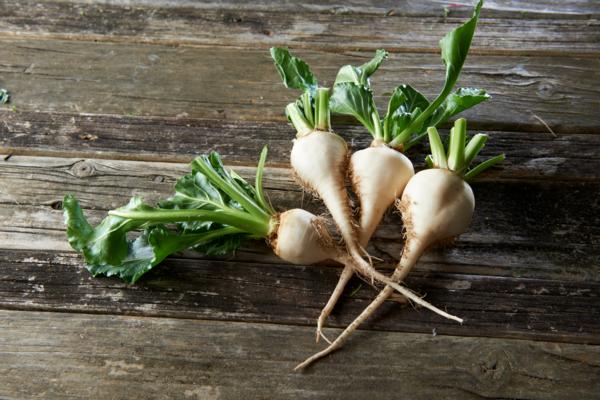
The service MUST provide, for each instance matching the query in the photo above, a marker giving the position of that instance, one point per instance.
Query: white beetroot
(408, 115)
(436, 205)
(378, 175)
(318, 159)
(319, 156)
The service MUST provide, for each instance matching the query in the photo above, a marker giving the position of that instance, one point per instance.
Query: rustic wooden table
(112, 98)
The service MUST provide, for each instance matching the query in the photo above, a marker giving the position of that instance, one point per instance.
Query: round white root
(436, 205)
(379, 175)
(298, 241)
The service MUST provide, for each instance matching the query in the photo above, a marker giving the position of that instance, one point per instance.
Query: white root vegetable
(379, 175)
(408, 115)
(319, 158)
(437, 205)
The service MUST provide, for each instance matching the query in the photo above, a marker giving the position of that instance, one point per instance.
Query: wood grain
(231, 290)
(242, 84)
(396, 28)
(512, 270)
(84, 356)
(582, 9)
(530, 155)
(543, 227)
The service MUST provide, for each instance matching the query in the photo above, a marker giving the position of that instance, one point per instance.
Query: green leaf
(213, 210)
(104, 244)
(294, 72)
(143, 253)
(455, 47)
(79, 230)
(229, 183)
(354, 100)
(405, 105)
(360, 75)
(457, 102)
(369, 68)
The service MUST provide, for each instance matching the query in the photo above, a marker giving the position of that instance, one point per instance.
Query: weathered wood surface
(532, 155)
(513, 218)
(515, 9)
(398, 28)
(506, 277)
(84, 356)
(241, 83)
(184, 77)
(492, 306)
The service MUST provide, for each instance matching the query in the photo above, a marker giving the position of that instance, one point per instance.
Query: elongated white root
(436, 204)
(347, 273)
(379, 175)
(398, 276)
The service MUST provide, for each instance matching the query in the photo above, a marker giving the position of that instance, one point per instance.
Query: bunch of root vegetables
(213, 210)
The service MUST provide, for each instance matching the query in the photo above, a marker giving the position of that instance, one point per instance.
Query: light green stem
(437, 148)
(474, 147)
(241, 220)
(303, 127)
(483, 166)
(322, 109)
(308, 108)
(456, 151)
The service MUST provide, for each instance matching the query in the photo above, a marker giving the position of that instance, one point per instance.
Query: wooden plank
(513, 270)
(218, 82)
(584, 9)
(83, 356)
(184, 287)
(531, 155)
(395, 28)
(518, 227)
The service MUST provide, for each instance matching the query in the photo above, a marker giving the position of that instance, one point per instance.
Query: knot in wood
(546, 90)
(493, 370)
(82, 169)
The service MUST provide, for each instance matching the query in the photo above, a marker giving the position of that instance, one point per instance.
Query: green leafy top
(212, 210)
(360, 75)
(296, 74)
(311, 110)
(409, 113)
(459, 154)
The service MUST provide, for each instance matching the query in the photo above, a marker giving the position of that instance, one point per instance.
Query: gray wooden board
(512, 276)
(515, 9)
(58, 356)
(529, 229)
(187, 287)
(530, 155)
(241, 83)
(396, 29)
